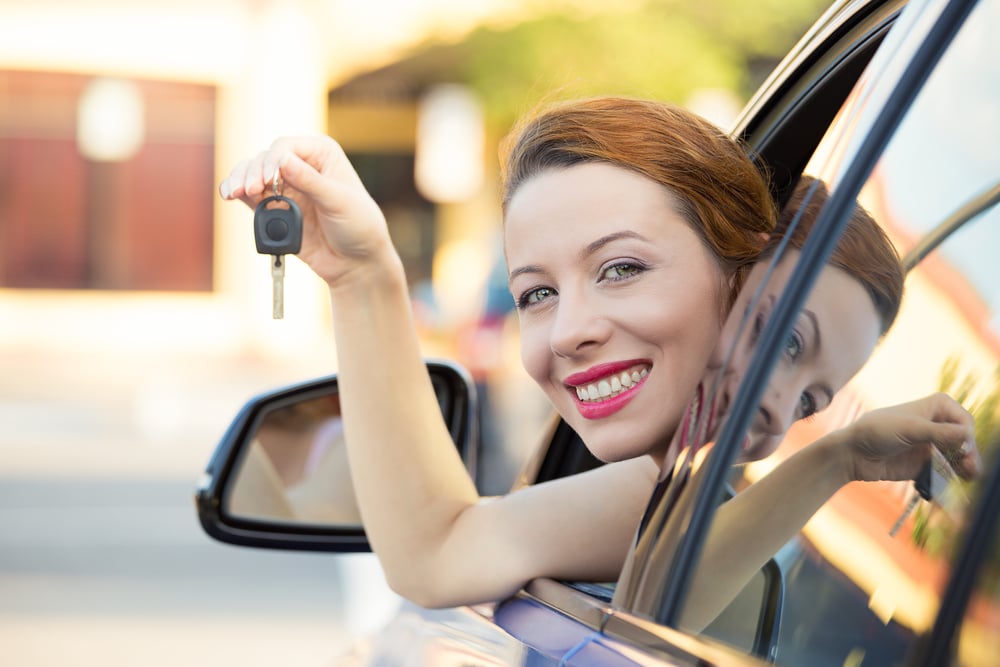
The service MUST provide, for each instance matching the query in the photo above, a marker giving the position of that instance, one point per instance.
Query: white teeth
(612, 386)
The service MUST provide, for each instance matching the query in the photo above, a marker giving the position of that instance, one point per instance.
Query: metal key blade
(910, 506)
(278, 287)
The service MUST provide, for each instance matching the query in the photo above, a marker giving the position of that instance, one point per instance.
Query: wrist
(381, 272)
(837, 461)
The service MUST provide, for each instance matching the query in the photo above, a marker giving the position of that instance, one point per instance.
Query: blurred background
(135, 313)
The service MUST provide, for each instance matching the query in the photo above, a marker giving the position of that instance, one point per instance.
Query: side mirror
(279, 477)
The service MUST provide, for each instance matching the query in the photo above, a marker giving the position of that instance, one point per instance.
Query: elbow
(437, 589)
(419, 591)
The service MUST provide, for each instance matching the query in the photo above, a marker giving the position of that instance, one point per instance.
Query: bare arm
(438, 543)
(888, 444)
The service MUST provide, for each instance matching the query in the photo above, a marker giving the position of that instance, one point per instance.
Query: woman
(629, 225)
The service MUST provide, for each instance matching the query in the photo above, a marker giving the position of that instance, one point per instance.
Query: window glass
(863, 563)
(978, 637)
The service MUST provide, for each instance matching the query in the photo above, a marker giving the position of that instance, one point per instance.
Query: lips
(605, 389)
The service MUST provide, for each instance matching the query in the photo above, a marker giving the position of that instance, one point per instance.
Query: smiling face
(832, 338)
(618, 302)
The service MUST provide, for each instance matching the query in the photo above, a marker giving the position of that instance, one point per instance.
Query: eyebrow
(815, 322)
(590, 249)
(596, 245)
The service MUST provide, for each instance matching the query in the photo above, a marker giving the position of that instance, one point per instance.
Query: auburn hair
(864, 251)
(718, 189)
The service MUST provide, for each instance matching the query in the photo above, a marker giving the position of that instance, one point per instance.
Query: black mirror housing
(456, 396)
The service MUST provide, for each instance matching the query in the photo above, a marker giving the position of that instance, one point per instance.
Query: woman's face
(619, 303)
(832, 338)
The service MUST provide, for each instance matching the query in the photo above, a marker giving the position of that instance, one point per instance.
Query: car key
(278, 232)
(930, 484)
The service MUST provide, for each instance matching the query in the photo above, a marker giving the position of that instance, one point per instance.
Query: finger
(323, 154)
(957, 443)
(232, 186)
(270, 170)
(944, 408)
(331, 194)
(967, 462)
(255, 181)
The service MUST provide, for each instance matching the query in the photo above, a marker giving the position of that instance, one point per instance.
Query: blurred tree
(938, 532)
(665, 49)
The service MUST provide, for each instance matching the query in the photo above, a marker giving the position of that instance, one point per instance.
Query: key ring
(277, 177)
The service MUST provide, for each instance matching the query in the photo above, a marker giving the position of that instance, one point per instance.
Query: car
(893, 104)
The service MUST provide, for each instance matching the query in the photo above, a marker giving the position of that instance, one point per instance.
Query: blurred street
(102, 559)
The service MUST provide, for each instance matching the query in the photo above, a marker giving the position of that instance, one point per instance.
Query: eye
(793, 346)
(759, 322)
(807, 405)
(621, 271)
(534, 296)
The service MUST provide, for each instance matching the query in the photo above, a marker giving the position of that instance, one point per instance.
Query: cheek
(694, 317)
(727, 338)
(534, 351)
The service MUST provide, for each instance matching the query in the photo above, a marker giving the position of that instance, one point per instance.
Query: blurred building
(118, 119)
(124, 280)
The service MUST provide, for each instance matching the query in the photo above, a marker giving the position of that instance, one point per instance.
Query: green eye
(531, 297)
(807, 405)
(621, 270)
(793, 346)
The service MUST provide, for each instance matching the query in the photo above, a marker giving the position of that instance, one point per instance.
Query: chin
(610, 448)
(610, 453)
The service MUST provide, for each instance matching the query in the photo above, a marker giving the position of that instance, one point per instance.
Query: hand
(343, 229)
(894, 443)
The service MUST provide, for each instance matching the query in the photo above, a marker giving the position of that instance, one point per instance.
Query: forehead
(588, 200)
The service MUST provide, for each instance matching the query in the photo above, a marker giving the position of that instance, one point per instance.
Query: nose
(777, 407)
(577, 325)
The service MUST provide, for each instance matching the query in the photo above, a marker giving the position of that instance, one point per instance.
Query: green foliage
(938, 532)
(664, 49)
(984, 407)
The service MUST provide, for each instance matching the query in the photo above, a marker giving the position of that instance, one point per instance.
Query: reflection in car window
(977, 641)
(862, 581)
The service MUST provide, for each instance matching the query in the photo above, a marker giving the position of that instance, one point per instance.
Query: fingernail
(224, 189)
(966, 448)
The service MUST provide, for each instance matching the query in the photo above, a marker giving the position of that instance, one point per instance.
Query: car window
(977, 641)
(861, 582)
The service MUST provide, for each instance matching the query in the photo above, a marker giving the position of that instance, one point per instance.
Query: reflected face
(618, 302)
(832, 338)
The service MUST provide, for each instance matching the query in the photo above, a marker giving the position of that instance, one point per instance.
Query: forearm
(410, 481)
(750, 528)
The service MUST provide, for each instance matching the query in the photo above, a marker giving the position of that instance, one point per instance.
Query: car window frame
(678, 564)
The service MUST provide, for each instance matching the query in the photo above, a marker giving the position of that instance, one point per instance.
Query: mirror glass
(291, 461)
(294, 466)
